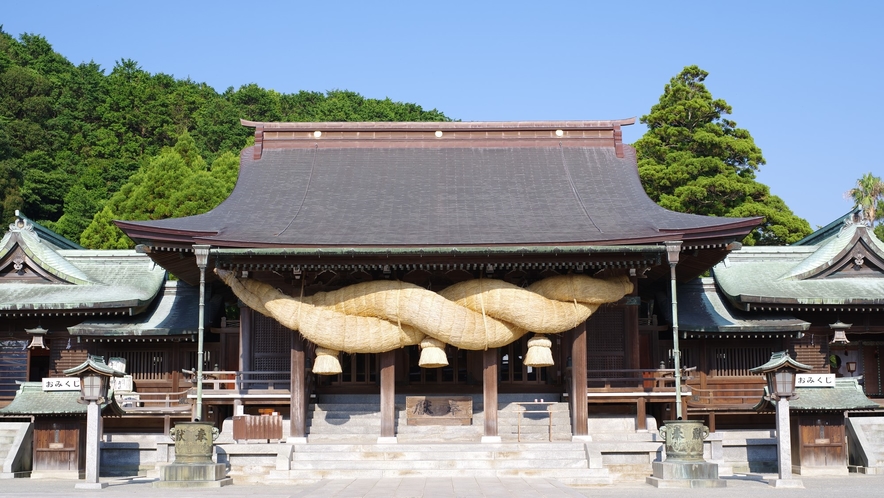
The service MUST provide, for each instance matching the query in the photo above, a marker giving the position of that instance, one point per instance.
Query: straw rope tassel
(432, 353)
(327, 361)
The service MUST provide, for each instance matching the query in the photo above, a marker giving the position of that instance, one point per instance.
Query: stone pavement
(852, 486)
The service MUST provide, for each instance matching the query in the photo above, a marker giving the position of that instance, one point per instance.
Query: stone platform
(671, 474)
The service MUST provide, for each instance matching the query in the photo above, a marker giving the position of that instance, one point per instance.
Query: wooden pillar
(245, 351)
(633, 347)
(578, 382)
(245, 338)
(633, 303)
(298, 400)
(489, 391)
(387, 364)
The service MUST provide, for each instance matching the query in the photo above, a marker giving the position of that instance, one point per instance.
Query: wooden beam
(580, 411)
(387, 364)
(298, 400)
(489, 390)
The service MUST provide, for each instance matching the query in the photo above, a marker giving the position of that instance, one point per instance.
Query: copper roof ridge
(437, 125)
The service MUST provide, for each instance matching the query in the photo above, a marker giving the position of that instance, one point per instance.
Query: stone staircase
(15, 449)
(865, 443)
(343, 432)
(566, 462)
(349, 418)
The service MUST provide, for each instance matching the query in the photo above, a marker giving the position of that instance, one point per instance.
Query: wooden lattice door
(606, 341)
(271, 347)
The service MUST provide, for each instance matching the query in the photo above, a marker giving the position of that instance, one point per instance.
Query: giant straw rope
(383, 315)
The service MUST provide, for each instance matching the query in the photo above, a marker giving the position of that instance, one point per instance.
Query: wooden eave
(127, 308)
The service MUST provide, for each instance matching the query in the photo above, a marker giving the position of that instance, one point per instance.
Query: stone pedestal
(684, 466)
(784, 449)
(685, 475)
(193, 466)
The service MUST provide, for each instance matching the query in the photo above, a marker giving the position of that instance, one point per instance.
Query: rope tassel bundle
(382, 315)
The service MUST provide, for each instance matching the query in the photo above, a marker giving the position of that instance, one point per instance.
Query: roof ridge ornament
(21, 223)
(858, 217)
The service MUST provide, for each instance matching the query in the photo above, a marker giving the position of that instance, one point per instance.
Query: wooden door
(822, 440)
(57, 444)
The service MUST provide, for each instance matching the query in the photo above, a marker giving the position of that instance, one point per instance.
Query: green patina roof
(46, 235)
(703, 311)
(779, 360)
(31, 399)
(173, 313)
(94, 364)
(768, 275)
(45, 255)
(846, 395)
(85, 278)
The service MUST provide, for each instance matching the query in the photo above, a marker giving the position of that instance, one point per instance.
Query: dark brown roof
(404, 185)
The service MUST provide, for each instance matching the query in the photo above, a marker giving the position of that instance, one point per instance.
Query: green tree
(72, 136)
(174, 183)
(868, 194)
(693, 160)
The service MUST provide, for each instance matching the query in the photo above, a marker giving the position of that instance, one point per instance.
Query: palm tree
(869, 196)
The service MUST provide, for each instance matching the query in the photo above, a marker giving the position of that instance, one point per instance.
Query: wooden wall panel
(812, 350)
(61, 358)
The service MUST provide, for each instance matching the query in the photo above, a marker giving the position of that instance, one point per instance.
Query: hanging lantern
(840, 329)
(37, 337)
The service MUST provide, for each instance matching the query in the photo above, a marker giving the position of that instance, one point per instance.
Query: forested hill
(71, 135)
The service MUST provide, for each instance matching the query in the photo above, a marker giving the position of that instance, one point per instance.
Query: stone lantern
(781, 372)
(94, 375)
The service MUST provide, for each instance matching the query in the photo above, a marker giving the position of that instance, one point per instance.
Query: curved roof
(703, 312)
(844, 270)
(37, 277)
(464, 184)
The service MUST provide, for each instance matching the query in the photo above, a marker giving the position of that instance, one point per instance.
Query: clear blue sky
(804, 77)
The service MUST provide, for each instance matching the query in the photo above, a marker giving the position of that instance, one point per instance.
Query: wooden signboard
(439, 410)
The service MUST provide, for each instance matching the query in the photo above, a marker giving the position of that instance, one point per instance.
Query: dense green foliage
(71, 136)
(693, 160)
(175, 183)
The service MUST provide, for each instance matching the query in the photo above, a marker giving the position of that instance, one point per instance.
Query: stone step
(364, 458)
(413, 452)
(571, 477)
(499, 447)
(441, 464)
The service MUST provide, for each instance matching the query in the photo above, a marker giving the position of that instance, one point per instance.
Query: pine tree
(693, 160)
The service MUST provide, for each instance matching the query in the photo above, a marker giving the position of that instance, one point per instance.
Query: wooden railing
(243, 381)
(153, 402)
(635, 379)
(720, 398)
